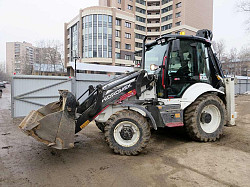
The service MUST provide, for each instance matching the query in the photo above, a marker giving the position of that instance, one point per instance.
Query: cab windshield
(154, 55)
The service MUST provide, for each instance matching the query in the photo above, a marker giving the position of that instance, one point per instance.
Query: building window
(118, 22)
(128, 57)
(139, 36)
(118, 55)
(178, 5)
(165, 1)
(128, 46)
(127, 24)
(149, 30)
(142, 2)
(167, 9)
(137, 44)
(139, 27)
(97, 36)
(141, 19)
(119, 1)
(178, 23)
(117, 45)
(177, 15)
(117, 33)
(127, 35)
(130, 7)
(166, 18)
(166, 27)
(140, 10)
(74, 41)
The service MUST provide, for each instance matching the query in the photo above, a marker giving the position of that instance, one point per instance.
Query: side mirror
(176, 45)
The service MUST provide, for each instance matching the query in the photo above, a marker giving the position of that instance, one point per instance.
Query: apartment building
(131, 20)
(100, 35)
(19, 57)
(155, 18)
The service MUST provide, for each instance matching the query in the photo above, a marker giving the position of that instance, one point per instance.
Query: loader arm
(56, 123)
(109, 93)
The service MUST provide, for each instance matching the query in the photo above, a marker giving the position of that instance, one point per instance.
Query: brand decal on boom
(116, 92)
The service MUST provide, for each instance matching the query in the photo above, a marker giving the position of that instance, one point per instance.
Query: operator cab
(181, 61)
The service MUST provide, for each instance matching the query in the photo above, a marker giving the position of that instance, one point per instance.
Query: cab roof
(186, 37)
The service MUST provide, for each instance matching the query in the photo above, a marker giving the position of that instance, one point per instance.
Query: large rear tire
(127, 132)
(205, 118)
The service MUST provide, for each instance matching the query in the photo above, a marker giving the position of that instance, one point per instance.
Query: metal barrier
(30, 92)
(242, 86)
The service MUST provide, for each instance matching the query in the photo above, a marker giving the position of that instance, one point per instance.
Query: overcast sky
(35, 20)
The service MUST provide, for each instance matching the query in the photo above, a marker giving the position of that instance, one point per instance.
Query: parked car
(2, 85)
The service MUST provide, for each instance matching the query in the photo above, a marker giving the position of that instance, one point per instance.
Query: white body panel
(191, 94)
(231, 114)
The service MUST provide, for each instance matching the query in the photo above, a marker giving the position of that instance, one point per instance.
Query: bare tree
(244, 59)
(244, 6)
(3, 76)
(49, 52)
(219, 47)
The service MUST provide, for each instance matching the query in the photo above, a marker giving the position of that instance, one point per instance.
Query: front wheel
(127, 132)
(205, 118)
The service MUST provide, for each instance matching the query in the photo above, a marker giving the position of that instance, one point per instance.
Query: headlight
(153, 67)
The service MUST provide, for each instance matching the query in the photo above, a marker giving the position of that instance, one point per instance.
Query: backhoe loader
(180, 83)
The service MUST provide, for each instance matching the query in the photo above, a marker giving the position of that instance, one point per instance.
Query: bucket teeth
(52, 124)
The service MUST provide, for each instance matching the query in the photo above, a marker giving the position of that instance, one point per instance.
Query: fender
(194, 91)
(148, 114)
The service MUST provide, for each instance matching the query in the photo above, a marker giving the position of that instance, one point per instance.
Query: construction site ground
(171, 158)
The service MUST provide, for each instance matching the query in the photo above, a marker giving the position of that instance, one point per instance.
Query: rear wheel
(127, 132)
(205, 118)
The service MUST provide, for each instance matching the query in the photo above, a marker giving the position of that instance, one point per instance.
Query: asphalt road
(171, 159)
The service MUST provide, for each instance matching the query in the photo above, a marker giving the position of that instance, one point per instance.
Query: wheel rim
(210, 118)
(126, 134)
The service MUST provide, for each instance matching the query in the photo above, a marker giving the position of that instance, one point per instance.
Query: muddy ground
(171, 159)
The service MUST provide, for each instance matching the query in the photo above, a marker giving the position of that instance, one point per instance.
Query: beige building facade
(138, 18)
(19, 57)
(100, 35)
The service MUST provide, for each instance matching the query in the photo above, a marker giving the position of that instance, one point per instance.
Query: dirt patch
(171, 158)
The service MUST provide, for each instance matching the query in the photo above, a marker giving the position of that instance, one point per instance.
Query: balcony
(153, 33)
(153, 25)
(158, 1)
(156, 16)
(153, 8)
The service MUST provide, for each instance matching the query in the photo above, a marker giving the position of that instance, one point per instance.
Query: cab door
(186, 66)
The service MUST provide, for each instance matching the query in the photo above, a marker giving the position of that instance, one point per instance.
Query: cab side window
(187, 66)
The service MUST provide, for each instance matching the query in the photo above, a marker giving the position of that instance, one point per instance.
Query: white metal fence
(242, 86)
(32, 92)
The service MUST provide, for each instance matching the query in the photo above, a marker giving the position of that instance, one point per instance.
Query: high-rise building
(131, 21)
(101, 35)
(19, 57)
